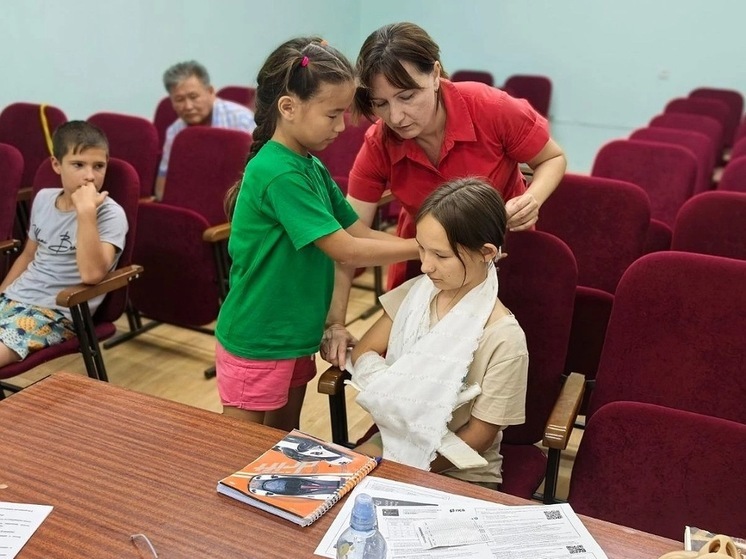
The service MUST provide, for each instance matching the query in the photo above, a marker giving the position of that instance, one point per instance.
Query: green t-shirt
(280, 283)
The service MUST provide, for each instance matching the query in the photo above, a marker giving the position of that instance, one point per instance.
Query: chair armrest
(564, 413)
(331, 381)
(24, 194)
(81, 293)
(9, 245)
(217, 233)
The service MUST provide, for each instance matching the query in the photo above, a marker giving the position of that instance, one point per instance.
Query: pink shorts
(259, 385)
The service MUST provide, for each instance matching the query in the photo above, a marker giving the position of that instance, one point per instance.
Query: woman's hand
(523, 212)
(334, 344)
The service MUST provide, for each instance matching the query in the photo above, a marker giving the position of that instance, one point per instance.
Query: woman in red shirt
(429, 131)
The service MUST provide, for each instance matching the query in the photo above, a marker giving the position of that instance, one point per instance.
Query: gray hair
(183, 70)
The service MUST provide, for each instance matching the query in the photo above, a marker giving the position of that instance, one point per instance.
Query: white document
(449, 532)
(17, 524)
(428, 524)
(386, 492)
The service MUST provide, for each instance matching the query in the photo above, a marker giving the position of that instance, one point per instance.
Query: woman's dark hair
(297, 67)
(383, 53)
(471, 212)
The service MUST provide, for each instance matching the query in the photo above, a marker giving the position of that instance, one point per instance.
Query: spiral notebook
(299, 478)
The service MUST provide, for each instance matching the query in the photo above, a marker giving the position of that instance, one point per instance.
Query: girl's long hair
(298, 67)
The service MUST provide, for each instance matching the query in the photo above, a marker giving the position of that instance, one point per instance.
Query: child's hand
(334, 344)
(87, 197)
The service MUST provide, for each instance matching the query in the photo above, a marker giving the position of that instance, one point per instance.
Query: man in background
(196, 104)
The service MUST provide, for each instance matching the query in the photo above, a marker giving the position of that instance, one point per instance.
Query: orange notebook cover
(300, 478)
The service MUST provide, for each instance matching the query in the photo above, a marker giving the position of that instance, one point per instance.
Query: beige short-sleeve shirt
(500, 367)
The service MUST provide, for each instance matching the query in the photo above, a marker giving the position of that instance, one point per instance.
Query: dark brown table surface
(114, 463)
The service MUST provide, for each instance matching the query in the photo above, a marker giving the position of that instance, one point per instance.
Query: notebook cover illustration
(299, 478)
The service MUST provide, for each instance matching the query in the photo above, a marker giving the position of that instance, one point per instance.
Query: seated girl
(456, 363)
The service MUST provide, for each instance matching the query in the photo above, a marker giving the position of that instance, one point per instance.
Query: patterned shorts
(27, 328)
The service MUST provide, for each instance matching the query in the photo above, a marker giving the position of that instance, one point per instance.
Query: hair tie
(304, 62)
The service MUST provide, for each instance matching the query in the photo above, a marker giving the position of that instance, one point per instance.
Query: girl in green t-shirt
(289, 224)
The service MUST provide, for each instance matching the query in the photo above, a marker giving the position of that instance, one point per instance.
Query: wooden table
(114, 462)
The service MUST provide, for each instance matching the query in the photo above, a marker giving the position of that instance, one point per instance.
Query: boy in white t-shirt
(76, 235)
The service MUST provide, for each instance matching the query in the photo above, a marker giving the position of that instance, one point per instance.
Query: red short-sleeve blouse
(488, 133)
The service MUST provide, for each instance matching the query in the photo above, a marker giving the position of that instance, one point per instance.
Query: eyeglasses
(136, 538)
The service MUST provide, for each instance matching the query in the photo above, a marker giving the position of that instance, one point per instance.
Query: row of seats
(654, 340)
(605, 223)
(536, 89)
(634, 320)
(672, 160)
(654, 343)
(602, 248)
(204, 163)
(27, 126)
(181, 240)
(674, 339)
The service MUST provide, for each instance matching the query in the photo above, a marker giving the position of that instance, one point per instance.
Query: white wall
(613, 64)
(86, 56)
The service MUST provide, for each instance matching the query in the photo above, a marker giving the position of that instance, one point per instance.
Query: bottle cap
(363, 513)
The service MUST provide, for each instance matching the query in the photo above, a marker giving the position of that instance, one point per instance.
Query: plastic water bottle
(362, 540)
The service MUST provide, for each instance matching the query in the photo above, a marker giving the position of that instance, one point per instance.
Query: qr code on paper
(574, 549)
(553, 514)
